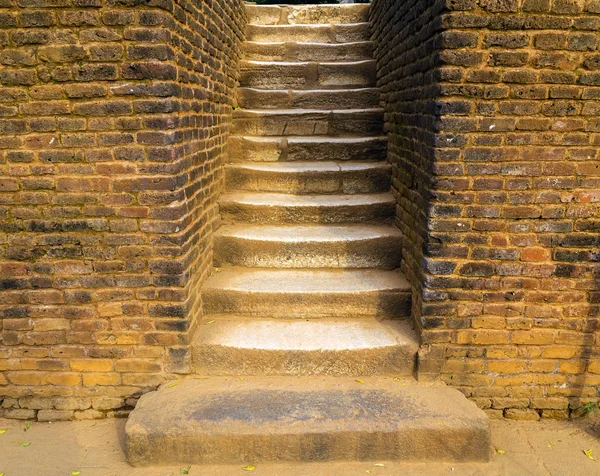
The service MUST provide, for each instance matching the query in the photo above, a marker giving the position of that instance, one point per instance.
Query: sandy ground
(94, 449)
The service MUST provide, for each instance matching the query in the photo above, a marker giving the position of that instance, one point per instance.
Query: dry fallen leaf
(379, 465)
(250, 467)
(171, 385)
(209, 322)
(589, 454)
(500, 452)
(551, 444)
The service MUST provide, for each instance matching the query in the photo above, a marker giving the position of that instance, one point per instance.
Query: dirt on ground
(94, 448)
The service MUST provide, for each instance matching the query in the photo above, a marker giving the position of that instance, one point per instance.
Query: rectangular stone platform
(222, 420)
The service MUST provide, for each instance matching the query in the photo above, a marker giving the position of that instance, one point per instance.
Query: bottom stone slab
(227, 420)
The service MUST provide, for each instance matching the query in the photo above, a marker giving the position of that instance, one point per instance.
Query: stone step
(308, 246)
(306, 14)
(310, 177)
(327, 99)
(307, 293)
(294, 122)
(330, 33)
(225, 420)
(243, 346)
(308, 75)
(263, 207)
(303, 51)
(314, 148)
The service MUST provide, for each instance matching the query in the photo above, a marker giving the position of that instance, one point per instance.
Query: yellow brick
(508, 402)
(92, 379)
(554, 403)
(505, 352)
(521, 379)
(558, 352)
(51, 325)
(594, 367)
(142, 380)
(63, 378)
(543, 366)
(533, 337)
(488, 322)
(91, 365)
(506, 366)
(136, 365)
(466, 365)
(482, 337)
(525, 391)
(27, 378)
(110, 309)
(572, 366)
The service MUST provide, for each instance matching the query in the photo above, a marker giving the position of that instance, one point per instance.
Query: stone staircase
(306, 296)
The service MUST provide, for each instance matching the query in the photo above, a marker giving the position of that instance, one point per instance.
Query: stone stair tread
(284, 199)
(239, 113)
(308, 51)
(305, 233)
(306, 281)
(282, 14)
(323, 139)
(306, 335)
(297, 63)
(260, 419)
(310, 166)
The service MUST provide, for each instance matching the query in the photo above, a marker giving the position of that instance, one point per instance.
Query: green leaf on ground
(500, 452)
(171, 385)
(25, 443)
(75, 473)
(186, 470)
(3, 431)
(360, 381)
(589, 454)
(250, 467)
(27, 426)
(209, 322)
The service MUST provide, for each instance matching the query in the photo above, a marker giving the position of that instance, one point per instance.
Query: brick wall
(113, 120)
(493, 113)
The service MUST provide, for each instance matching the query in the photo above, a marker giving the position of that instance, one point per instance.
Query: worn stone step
(310, 177)
(293, 122)
(329, 33)
(306, 14)
(327, 99)
(263, 207)
(270, 149)
(251, 346)
(308, 75)
(304, 51)
(307, 293)
(225, 420)
(308, 246)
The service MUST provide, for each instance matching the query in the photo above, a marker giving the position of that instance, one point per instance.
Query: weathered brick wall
(113, 121)
(493, 112)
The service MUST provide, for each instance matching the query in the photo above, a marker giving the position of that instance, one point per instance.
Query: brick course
(492, 113)
(114, 116)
